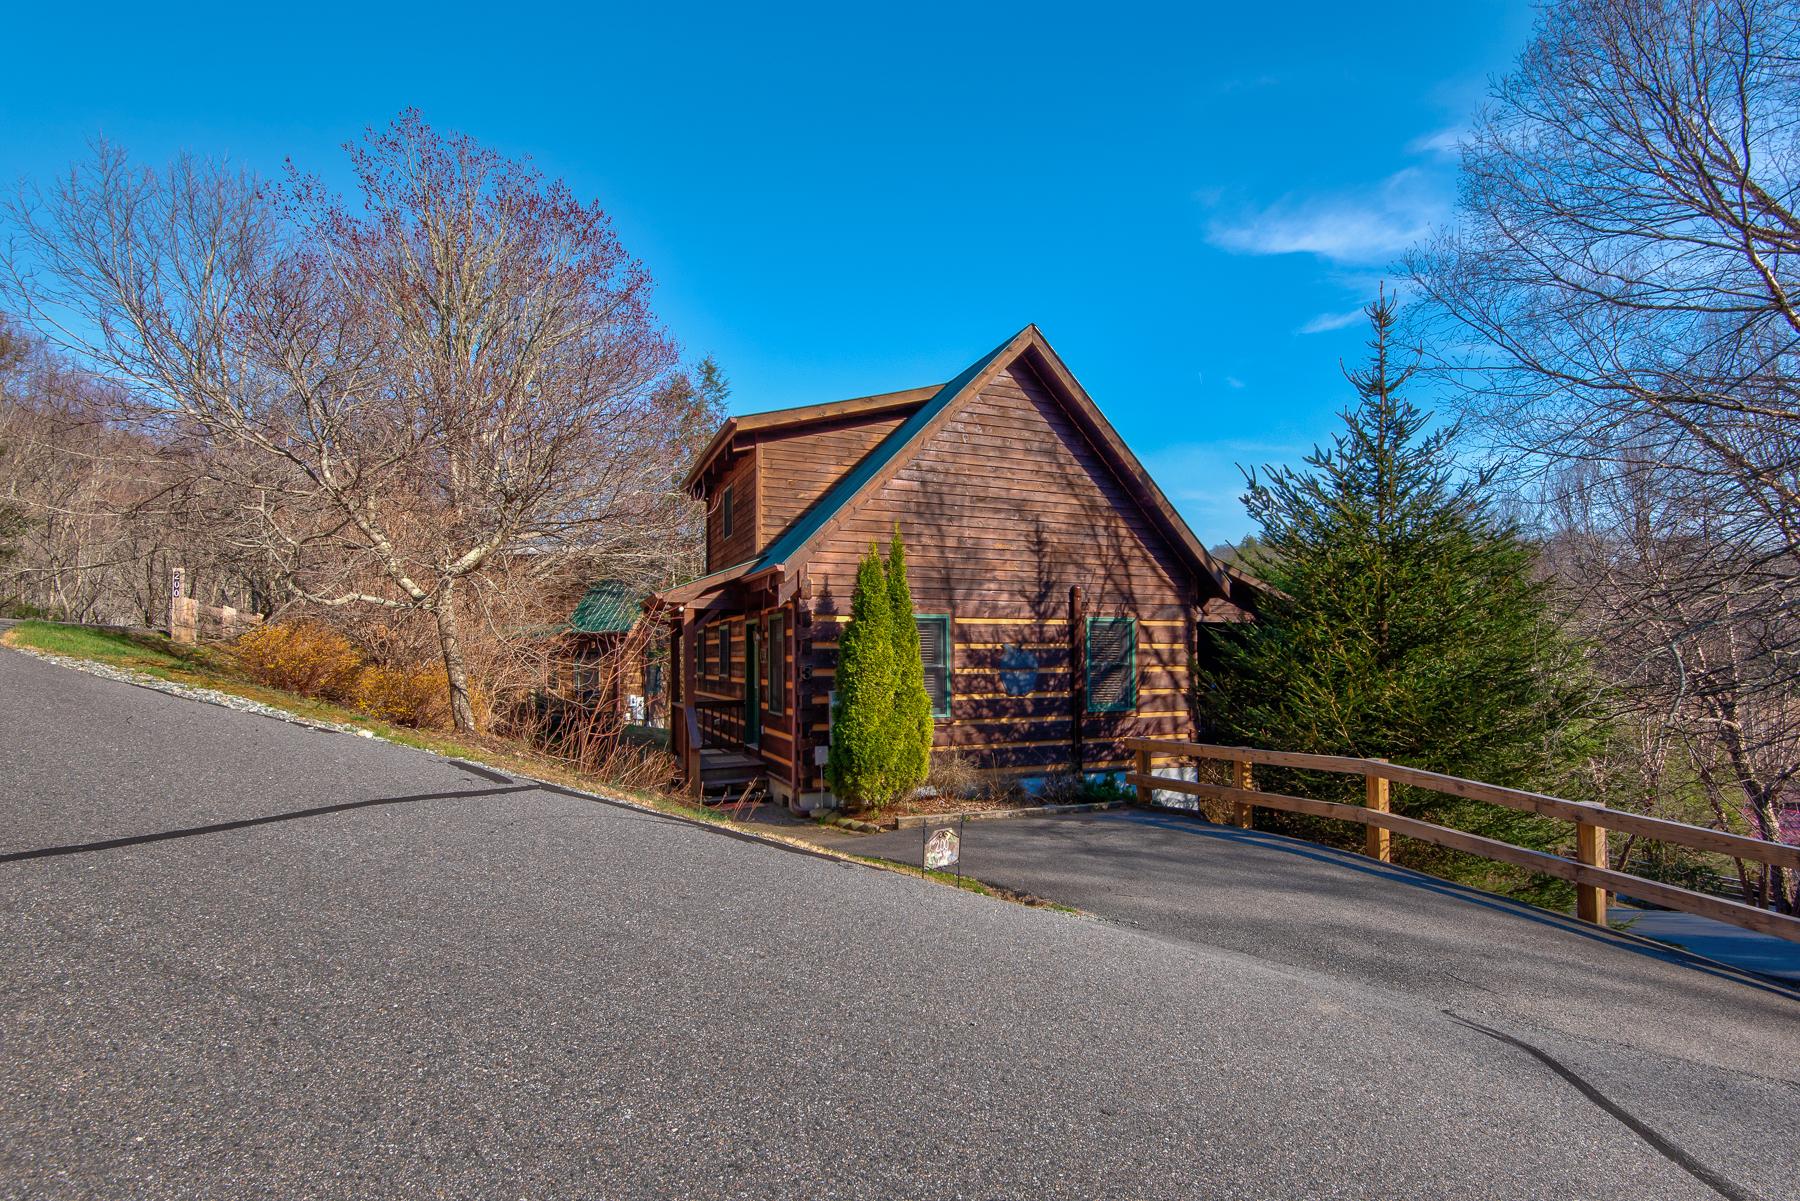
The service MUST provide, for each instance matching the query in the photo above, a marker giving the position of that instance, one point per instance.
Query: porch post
(690, 723)
(1077, 679)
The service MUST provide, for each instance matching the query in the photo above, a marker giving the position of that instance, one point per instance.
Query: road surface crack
(1711, 1178)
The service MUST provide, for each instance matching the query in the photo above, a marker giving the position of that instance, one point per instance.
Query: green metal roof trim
(609, 607)
(827, 506)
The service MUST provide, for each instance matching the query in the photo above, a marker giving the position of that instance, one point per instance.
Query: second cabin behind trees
(1058, 594)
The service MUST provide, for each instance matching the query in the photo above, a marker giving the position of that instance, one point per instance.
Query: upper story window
(726, 522)
(1111, 664)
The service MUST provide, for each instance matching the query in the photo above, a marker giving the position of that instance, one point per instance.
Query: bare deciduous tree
(459, 370)
(1623, 281)
(1688, 661)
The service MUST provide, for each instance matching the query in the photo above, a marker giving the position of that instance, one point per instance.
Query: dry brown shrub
(1063, 788)
(954, 774)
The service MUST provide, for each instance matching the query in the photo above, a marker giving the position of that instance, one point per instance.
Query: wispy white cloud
(1232, 381)
(1246, 83)
(1445, 143)
(1326, 322)
(1205, 481)
(1360, 226)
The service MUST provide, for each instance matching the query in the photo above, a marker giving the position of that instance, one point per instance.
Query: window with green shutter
(1111, 664)
(934, 652)
(775, 694)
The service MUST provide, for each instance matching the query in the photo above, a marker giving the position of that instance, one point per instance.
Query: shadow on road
(1406, 877)
(109, 844)
(1093, 861)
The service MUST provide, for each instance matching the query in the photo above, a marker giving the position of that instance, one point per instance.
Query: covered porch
(735, 690)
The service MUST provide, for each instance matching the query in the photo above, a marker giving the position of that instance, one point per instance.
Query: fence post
(1143, 769)
(183, 619)
(1377, 840)
(1241, 778)
(1590, 848)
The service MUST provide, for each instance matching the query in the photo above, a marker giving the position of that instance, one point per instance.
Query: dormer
(762, 471)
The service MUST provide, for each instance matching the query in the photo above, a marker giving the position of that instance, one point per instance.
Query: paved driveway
(242, 958)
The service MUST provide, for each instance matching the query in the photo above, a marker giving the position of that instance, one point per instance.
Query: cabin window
(934, 652)
(725, 653)
(725, 521)
(775, 671)
(1111, 664)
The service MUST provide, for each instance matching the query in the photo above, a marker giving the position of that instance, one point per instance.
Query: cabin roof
(860, 406)
(607, 607)
(791, 548)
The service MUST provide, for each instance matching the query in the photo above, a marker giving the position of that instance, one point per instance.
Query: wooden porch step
(723, 770)
(720, 757)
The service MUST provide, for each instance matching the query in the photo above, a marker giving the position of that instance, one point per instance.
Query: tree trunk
(1768, 822)
(456, 671)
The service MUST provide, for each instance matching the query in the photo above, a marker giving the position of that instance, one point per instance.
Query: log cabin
(606, 659)
(1058, 594)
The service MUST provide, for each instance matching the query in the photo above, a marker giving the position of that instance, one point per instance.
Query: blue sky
(1191, 200)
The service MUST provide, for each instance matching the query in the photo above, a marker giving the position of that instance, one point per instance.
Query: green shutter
(935, 653)
(776, 655)
(1111, 664)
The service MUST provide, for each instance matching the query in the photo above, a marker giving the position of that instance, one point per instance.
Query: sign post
(183, 619)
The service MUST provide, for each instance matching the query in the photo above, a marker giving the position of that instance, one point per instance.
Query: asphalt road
(242, 958)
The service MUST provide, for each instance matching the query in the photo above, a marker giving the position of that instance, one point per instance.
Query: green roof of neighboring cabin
(609, 607)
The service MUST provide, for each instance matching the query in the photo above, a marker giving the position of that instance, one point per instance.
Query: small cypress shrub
(909, 722)
(857, 766)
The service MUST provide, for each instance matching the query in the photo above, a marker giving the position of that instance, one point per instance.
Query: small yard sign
(943, 849)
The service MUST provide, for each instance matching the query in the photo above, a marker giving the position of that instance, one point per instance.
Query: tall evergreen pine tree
(1414, 626)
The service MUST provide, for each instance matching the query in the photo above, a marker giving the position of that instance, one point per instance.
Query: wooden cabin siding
(1004, 508)
(1011, 505)
(740, 477)
(798, 466)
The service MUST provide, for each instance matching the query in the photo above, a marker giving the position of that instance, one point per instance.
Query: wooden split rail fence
(1589, 871)
(189, 620)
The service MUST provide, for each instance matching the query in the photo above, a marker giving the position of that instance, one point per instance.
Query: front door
(752, 699)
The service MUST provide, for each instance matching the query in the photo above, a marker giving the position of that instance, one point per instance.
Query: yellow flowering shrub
(315, 660)
(303, 657)
(407, 696)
